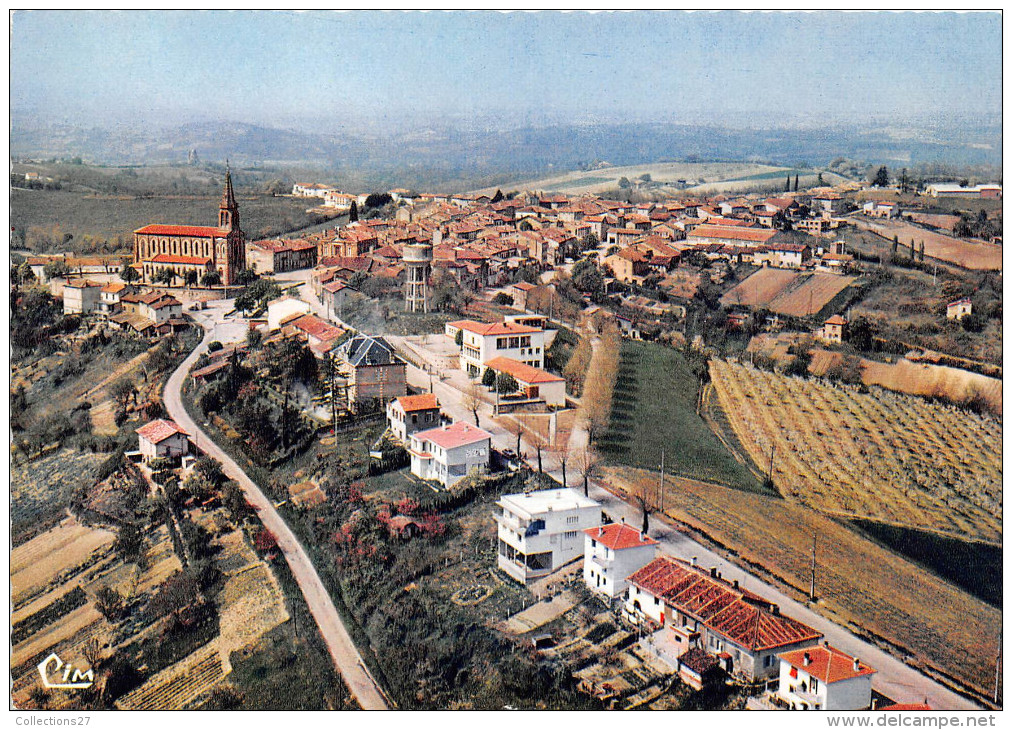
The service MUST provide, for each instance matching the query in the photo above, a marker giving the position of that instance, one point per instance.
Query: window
(570, 535)
(815, 685)
(657, 601)
(572, 519)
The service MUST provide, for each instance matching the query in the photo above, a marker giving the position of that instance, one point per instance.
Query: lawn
(654, 410)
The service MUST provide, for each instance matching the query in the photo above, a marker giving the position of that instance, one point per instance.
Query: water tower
(417, 262)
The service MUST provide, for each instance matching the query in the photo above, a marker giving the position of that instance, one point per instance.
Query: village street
(343, 652)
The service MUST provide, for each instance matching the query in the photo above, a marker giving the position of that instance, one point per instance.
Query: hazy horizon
(322, 71)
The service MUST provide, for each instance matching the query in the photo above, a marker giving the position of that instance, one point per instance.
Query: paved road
(894, 679)
(342, 650)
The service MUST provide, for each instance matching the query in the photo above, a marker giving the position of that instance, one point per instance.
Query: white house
(955, 310)
(481, 342)
(160, 309)
(446, 454)
(81, 296)
(824, 678)
(283, 308)
(880, 209)
(109, 302)
(539, 532)
(310, 190)
(611, 553)
(412, 413)
(162, 438)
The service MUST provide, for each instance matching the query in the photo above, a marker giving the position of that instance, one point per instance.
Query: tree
(506, 384)
(623, 182)
(820, 181)
(881, 179)
(488, 378)
(472, 401)
(514, 427)
(129, 544)
(211, 278)
(109, 603)
(353, 212)
(245, 277)
(123, 390)
(56, 269)
(896, 243)
(795, 183)
(378, 200)
(458, 339)
(190, 277)
(645, 177)
(128, 273)
(787, 185)
(586, 462)
(564, 455)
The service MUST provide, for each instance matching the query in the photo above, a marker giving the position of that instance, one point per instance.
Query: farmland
(654, 410)
(974, 255)
(861, 585)
(786, 292)
(880, 455)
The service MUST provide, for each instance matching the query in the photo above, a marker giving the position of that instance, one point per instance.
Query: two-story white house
(81, 296)
(412, 413)
(446, 454)
(109, 301)
(481, 342)
(160, 309)
(611, 553)
(824, 678)
(539, 532)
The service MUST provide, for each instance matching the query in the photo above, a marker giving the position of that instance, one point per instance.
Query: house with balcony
(447, 454)
(482, 341)
(539, 532)
(823, 678)
(611, 553)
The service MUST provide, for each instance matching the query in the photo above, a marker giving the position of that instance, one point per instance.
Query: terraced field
(880, 455)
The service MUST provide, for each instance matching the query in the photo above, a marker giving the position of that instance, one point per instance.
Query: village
(448, 359)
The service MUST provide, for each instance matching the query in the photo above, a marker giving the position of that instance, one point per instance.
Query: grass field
(884, 456)
(654, 410)
(859, 584)
(96, 220)
(787, 292)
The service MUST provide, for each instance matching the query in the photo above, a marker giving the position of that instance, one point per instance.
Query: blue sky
(318, 70)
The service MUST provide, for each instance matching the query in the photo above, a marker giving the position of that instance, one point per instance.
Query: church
(199, 248)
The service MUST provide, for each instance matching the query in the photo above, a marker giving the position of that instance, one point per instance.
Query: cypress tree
(787, 185)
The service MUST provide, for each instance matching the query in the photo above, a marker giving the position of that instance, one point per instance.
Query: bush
(504, 299)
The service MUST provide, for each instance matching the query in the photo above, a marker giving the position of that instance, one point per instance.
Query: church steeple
(228, 210)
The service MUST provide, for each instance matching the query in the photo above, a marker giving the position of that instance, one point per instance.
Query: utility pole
(997, 671)
(773, 449)
(812, 592)
(662, 481)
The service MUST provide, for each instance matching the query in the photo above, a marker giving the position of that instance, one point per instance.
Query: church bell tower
(228, 211)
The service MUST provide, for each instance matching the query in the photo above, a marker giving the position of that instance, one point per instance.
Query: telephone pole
(812, 592)
(662, 481)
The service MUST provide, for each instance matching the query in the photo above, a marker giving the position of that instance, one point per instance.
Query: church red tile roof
(168, 258)
(157, 229)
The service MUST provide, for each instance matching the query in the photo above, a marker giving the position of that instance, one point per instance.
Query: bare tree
(514, 427)
(472, 401)
(586, 463)
(562, 449)
(534, 437)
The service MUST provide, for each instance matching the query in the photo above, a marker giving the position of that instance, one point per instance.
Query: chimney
(643, 538)
(808, 659)
(623, 520)
(825, 643)
(600, 531)
(857, 665)
(874, 703)
(713, 572)
(692, 562)
(735, 584)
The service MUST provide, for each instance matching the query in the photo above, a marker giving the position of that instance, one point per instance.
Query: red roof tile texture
(619, 536)
(159, 430)
(157, 229)
(521, 371)
(827, 663)
(743, 617)
(413, 403)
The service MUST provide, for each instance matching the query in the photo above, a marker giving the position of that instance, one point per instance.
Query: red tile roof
(159, 430)
(743, 617)
(192, 231)
(412, 403)
(827, 664)
(81, 284)
(619, 536)
(907, 707)
(315, 327)
(460, 433)
(521, 371)
(758, 235)
(836, 319)
(168, 258)
(494, 328)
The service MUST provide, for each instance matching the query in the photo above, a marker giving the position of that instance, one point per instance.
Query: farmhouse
(533, 382)
(612, 553)
(742, 629)
(880, 209)
(955, 310)
(159, 307)
(539, 532)
(447, 454)
(411, 413)
(833, 329)
(320, 335)
(162, 439)
(110, 297)
(824, 678)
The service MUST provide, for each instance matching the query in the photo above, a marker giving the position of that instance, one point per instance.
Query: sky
(320, 70)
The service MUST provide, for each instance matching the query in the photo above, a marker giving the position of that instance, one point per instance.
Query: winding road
(342, 650)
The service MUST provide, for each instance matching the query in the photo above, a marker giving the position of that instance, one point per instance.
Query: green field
(105, 224)
(654, 410)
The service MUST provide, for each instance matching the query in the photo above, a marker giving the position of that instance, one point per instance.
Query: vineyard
(879, 455)
(787, 292)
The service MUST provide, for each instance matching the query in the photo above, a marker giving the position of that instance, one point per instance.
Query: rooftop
(158, 229)
(412, 403)
(158, 430)
(619, 536)
(521, 371)
(530, 504)
(459, 434)
(493, 328)
(827, 663)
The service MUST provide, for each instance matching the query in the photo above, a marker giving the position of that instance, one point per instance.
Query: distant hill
(449, 158)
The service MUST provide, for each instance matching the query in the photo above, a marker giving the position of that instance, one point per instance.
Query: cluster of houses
(703, 625)
(124, 307)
